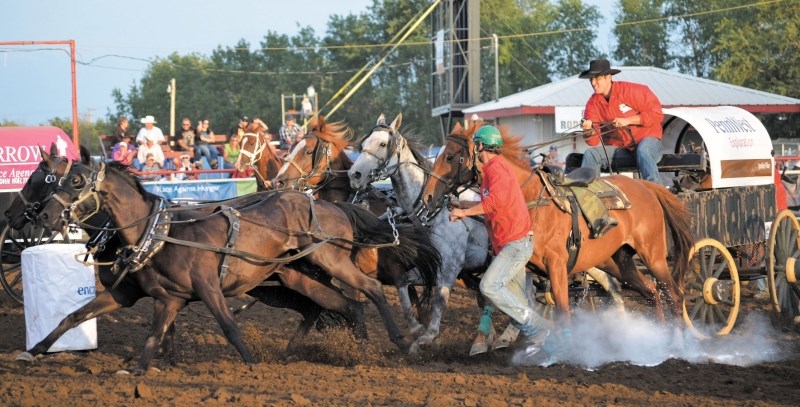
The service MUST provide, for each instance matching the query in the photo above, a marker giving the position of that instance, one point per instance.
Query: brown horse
(642, 229)
(106, 246)
(188, 267)
(258, 155)
(318, 164)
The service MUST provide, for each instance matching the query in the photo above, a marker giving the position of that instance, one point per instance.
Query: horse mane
(129, 177)
(415, 145)
(336, 133)
(513, 150)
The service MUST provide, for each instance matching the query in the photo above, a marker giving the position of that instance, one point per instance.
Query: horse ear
(457, 129)
(43, 153)
(85, 155)
(53, 150)
(397, 122)
(321, 123)
(381, 120)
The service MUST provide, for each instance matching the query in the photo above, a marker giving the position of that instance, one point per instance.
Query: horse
(318, 165)
(642, 229)
(105, 247)
(196, 255)
(464, 246)
(258, 154)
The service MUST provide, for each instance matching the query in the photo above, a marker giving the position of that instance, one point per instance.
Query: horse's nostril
(357, 175)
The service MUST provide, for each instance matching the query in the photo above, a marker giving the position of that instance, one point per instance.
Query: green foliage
(643, 43)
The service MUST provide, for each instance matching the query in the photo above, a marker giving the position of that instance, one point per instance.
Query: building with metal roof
(548, 111)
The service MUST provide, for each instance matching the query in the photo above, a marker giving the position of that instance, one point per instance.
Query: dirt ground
(333, 370)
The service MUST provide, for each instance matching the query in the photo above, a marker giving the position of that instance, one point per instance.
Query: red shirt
(506, 212)
(626, 100)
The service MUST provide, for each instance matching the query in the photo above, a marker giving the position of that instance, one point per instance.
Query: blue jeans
(503, 284)
(648, 154)
(207, 150)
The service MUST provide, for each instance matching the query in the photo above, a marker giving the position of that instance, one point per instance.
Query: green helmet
(489, 136)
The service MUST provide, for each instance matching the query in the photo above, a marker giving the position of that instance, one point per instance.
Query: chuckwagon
(721, 162)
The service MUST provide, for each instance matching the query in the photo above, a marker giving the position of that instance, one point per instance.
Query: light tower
(456, 68)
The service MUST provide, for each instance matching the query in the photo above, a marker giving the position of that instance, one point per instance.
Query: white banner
(439, 46)
(568, 118)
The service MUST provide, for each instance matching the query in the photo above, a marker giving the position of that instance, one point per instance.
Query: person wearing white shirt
(149, 131)
(150, 147)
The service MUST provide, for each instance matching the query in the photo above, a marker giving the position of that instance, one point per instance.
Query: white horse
(463, 245)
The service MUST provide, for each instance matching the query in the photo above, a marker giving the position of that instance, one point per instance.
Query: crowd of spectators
(191, 149)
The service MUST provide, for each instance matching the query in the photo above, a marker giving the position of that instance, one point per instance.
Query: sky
(35, 86)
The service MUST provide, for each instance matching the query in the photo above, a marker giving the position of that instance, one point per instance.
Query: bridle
(50, 179)
(393, 149)
(322, 149)
(259, 144)
(90, 188)
(463, 171)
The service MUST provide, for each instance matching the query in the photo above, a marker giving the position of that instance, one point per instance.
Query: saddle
(582, 185)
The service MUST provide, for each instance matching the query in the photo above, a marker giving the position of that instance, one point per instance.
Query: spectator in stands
(182, 165)
(633, 110)
(123, 154)
(150, 165)
(203, 143)
(231, 152)
(150, 131)
(150, 148)
(120, 131)
(186, 136)
(306, 110)
(242, 127)
(289, 133)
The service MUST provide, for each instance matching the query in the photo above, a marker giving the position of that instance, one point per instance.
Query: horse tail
(415, 248)
(679, 221)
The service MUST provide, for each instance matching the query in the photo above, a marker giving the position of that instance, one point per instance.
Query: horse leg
(657, 264)
(611, 285)
(164, 313)
(624, 260)
(169, 345)
(441, 294)
(331, 259)
(211, 294)
(327, 298)
(105, 302)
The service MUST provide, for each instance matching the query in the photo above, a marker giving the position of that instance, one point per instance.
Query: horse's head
(314, 159)
(379, 151)
(41, 184)
(454, 166)
(77, 196)
(252, 145)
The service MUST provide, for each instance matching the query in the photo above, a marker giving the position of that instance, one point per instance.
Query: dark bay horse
(318, 165)
(642, 229)
(298, 291)
(187, 267)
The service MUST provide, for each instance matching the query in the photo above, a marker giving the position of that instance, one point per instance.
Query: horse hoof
(507, 338)
(24, 357)
(122, 372)
(413, 349)
(478, 348)
(292, 359)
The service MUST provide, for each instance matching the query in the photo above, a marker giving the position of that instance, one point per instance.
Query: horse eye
(309, 151)
(383, 144)
(75, 180)
(449, 157)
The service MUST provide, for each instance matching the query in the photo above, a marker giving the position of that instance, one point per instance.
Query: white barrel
(54, 285)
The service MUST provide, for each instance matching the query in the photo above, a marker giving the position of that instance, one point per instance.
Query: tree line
(750, 43)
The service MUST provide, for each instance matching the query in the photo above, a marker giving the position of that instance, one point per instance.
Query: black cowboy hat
(598, 67)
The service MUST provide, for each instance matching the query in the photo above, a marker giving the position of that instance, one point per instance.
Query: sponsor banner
(568, 118)
(20, 155)
(205, 190)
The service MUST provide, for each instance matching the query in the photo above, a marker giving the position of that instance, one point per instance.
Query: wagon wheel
(784, 250)
(711, 289)
(13, 243)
